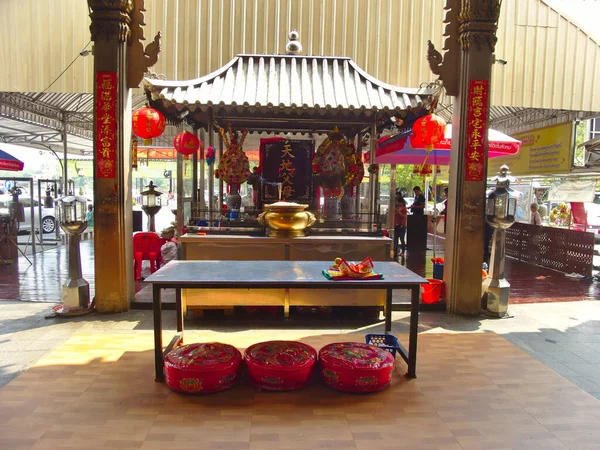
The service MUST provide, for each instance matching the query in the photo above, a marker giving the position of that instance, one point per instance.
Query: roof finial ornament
(293, 47)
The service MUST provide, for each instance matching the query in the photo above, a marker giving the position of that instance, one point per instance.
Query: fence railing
(560, 249)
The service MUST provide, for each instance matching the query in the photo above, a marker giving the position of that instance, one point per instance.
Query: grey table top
(274, 274)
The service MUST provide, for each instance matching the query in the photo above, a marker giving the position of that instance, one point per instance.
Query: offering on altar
(341, 269)
(286, 219)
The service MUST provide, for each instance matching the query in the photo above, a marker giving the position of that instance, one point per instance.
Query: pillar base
(76, 294)
(495, 296)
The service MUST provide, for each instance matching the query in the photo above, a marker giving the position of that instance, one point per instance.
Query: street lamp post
(72, 217)
(501, 207)
(151, 204)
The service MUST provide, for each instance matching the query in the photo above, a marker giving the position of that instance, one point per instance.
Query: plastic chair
(580, 221)
(146, 246)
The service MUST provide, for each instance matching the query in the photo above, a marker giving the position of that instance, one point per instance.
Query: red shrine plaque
(476, 130)
(106, 124)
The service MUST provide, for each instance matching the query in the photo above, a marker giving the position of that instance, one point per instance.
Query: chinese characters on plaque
(287, 162)
(106, 124)
(476, 129)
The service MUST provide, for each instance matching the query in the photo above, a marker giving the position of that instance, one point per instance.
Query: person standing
(89, 216)
(400, 224)
(418, 206)
(536, 218)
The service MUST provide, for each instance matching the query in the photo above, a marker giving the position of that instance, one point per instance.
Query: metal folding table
(275, 274)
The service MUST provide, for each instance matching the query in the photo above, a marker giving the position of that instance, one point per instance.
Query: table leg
(158, 350)
(179, 308)
(414, 328)
(388, 311)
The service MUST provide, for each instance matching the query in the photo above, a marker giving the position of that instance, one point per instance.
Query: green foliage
(405, 179)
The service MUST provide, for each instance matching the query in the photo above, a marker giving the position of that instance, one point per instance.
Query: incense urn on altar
(286, 219)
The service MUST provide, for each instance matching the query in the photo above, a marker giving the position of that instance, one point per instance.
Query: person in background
(445, 210)
(536, 218)
(400, 223)
(418, 206)
(89, 216)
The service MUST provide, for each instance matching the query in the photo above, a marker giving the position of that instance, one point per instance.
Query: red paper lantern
(186, 143)
(428, 130)
(148, 123)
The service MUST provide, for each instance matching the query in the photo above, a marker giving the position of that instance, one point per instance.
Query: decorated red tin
(202, 368)
(280, 365)
(356, 367)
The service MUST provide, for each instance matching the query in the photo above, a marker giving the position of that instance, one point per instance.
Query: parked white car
(48, 217)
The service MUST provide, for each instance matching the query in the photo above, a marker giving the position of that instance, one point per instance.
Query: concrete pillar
(466, 205)
(114, 283)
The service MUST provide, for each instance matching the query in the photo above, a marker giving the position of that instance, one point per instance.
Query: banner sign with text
(476, 130)
(288, 162)
(106, 124)
(547, 150)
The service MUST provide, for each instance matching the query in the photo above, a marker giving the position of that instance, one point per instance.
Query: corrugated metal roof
(290, 84)
(36, 119)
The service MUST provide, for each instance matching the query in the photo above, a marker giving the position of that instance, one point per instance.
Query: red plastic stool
(202, 368)
(355, 367)
(280, 365)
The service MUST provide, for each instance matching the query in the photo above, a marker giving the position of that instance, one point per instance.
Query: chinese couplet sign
(476, 129)
(287, 162)
(106, 124)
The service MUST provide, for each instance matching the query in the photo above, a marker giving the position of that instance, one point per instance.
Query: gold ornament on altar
(234, 167)
(335, 165)
(286, 219)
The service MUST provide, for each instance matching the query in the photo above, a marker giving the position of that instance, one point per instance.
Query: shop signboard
(546, 150)
(572, 191)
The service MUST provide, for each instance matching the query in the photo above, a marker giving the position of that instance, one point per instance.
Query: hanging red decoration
(186, 143)
(148, 123)
(428, 131)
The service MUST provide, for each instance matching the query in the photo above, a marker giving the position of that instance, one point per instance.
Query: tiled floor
(473, 391)
(476, 386)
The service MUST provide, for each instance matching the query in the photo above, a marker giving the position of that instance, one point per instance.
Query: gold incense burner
(286, 219)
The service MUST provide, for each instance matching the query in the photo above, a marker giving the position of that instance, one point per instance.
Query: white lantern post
(501, 208)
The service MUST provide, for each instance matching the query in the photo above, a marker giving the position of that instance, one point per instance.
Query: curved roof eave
(289, 83)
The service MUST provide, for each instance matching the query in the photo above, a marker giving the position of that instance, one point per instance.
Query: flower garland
(561, 215)
(355, 172)
(234, 167)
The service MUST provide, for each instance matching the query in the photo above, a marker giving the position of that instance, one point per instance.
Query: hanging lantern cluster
(425, 169)
(186, 143)
(148, 123)
(427, 131)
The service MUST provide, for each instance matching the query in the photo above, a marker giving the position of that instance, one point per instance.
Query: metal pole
(65, 147)
(374, 177)
(180, 213)
(211, 178)
(202, 173)
(32, 216)
(434, 207)
(357, 206)
(195, 183)
(221, 201)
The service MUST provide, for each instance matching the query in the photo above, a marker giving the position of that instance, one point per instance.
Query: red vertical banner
(476, 129)
(106, 124)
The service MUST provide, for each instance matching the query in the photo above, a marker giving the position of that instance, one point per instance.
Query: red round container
(202, 368)
(433, 291)
(280, 365)
(356, 367)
